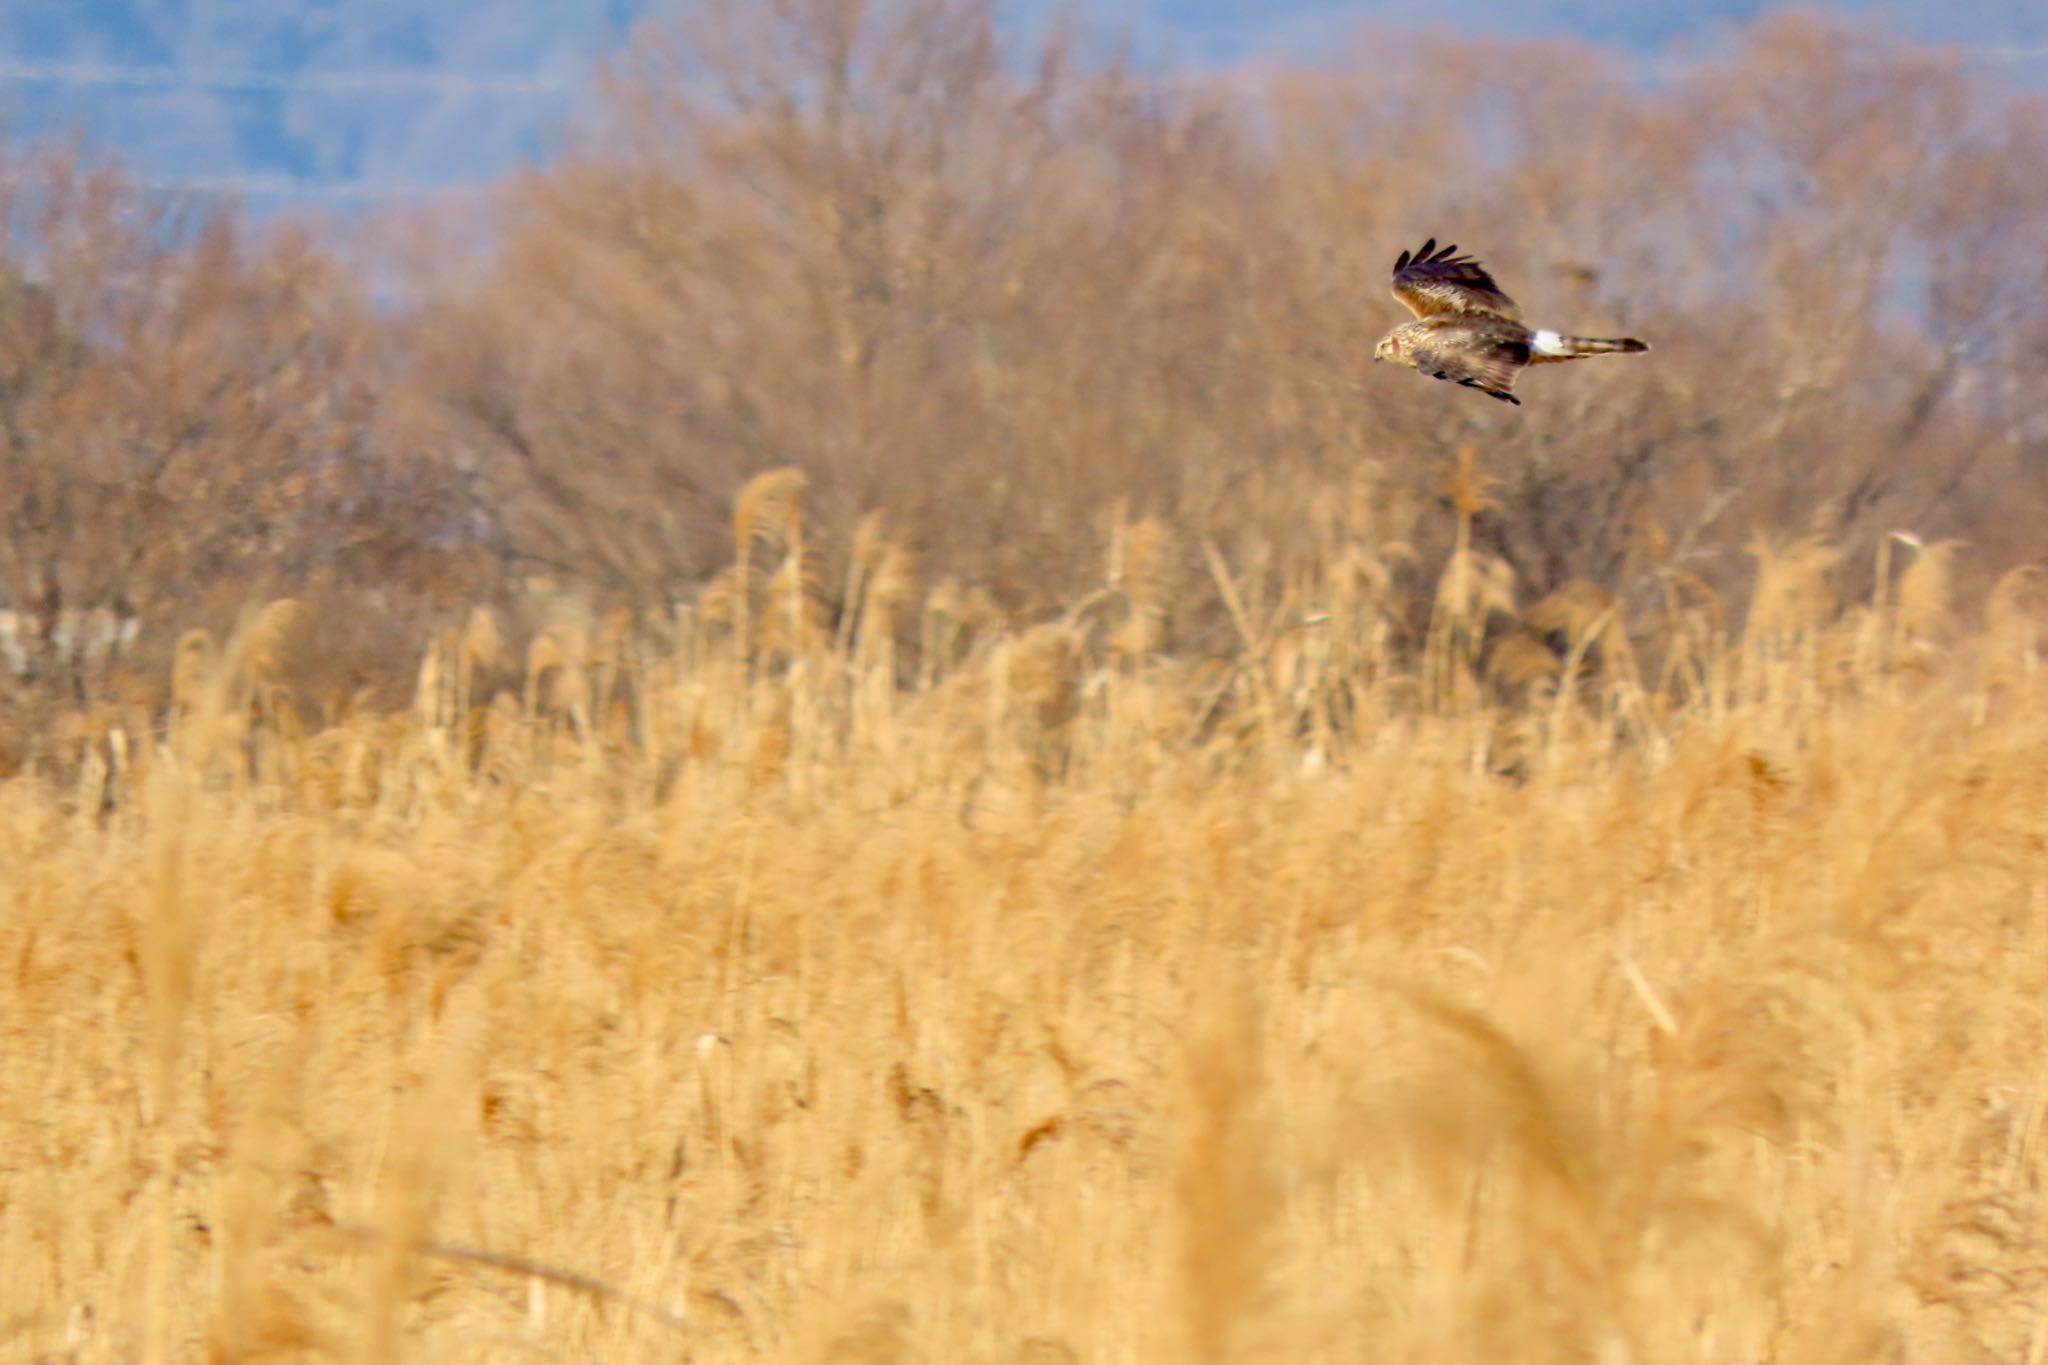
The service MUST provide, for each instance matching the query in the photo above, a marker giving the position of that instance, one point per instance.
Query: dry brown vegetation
(874, 742)
(733, 1000)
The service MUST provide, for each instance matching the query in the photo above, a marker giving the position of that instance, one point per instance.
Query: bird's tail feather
(1548, 345)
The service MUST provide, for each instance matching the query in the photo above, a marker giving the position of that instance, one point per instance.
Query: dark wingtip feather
(1630, 345)
(1427, 247)
(1402, 262)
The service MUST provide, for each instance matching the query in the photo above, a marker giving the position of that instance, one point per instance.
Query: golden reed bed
(757, 996)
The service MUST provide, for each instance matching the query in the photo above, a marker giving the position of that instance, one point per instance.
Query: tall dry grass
(737, 992)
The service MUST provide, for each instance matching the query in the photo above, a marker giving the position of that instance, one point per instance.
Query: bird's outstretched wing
(1434, 283)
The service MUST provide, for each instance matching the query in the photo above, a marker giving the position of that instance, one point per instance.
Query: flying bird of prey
(1468, 332)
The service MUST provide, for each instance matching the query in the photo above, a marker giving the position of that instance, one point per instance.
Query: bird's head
(1388, 349)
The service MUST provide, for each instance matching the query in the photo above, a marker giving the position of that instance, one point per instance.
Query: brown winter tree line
(1005, 294)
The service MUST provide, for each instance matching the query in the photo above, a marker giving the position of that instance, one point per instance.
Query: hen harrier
(1468, 332)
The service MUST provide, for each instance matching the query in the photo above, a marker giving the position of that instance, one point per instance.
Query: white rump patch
(1547, 342)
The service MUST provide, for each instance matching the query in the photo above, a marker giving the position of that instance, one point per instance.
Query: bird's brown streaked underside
(1466, 331)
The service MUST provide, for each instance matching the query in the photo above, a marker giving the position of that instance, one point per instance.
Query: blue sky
(341, 101)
